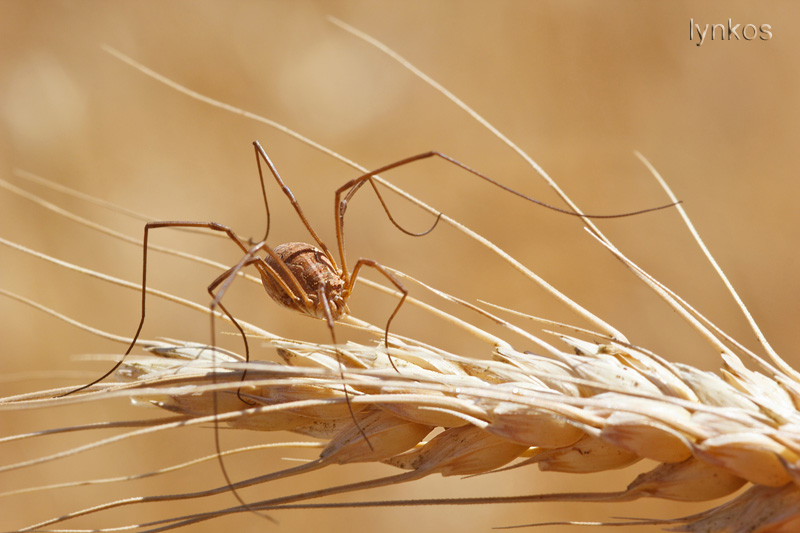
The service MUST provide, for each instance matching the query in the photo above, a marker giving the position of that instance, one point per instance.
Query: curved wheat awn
(597, 406)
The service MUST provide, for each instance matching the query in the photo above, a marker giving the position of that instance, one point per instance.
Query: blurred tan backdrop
(579, 85)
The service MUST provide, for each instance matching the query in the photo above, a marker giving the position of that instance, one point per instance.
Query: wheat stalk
(587, 402)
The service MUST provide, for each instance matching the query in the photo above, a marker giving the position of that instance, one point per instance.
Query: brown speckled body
(314, 272)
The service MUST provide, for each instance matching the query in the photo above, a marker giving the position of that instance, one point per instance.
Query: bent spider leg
(230, 273)
(350, 188)
(354, 189)
(396, 224)
(323, 298)
(224, 280)
(323, 277)
(156, 225)
(288, 192)
(301, 301)
(263, 193)
(380, 268)
(356, 183)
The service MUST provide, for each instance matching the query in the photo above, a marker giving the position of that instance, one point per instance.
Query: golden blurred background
(579, 85)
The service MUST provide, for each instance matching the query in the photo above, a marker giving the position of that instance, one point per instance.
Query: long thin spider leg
(321, 295)
(225, 280)
(323, 298)
(535, 201)
(380, 268)
(263, 193)
(352, 192)
(301, 303)
(433, 153)
(353, 185)
(216, 301)
(155, 225)
(288, 192)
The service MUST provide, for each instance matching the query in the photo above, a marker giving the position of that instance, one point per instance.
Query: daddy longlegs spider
(306, 277)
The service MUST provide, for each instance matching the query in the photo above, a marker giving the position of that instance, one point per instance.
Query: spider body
(313, 278)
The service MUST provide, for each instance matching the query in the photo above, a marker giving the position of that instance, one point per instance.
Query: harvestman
(302, 276)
